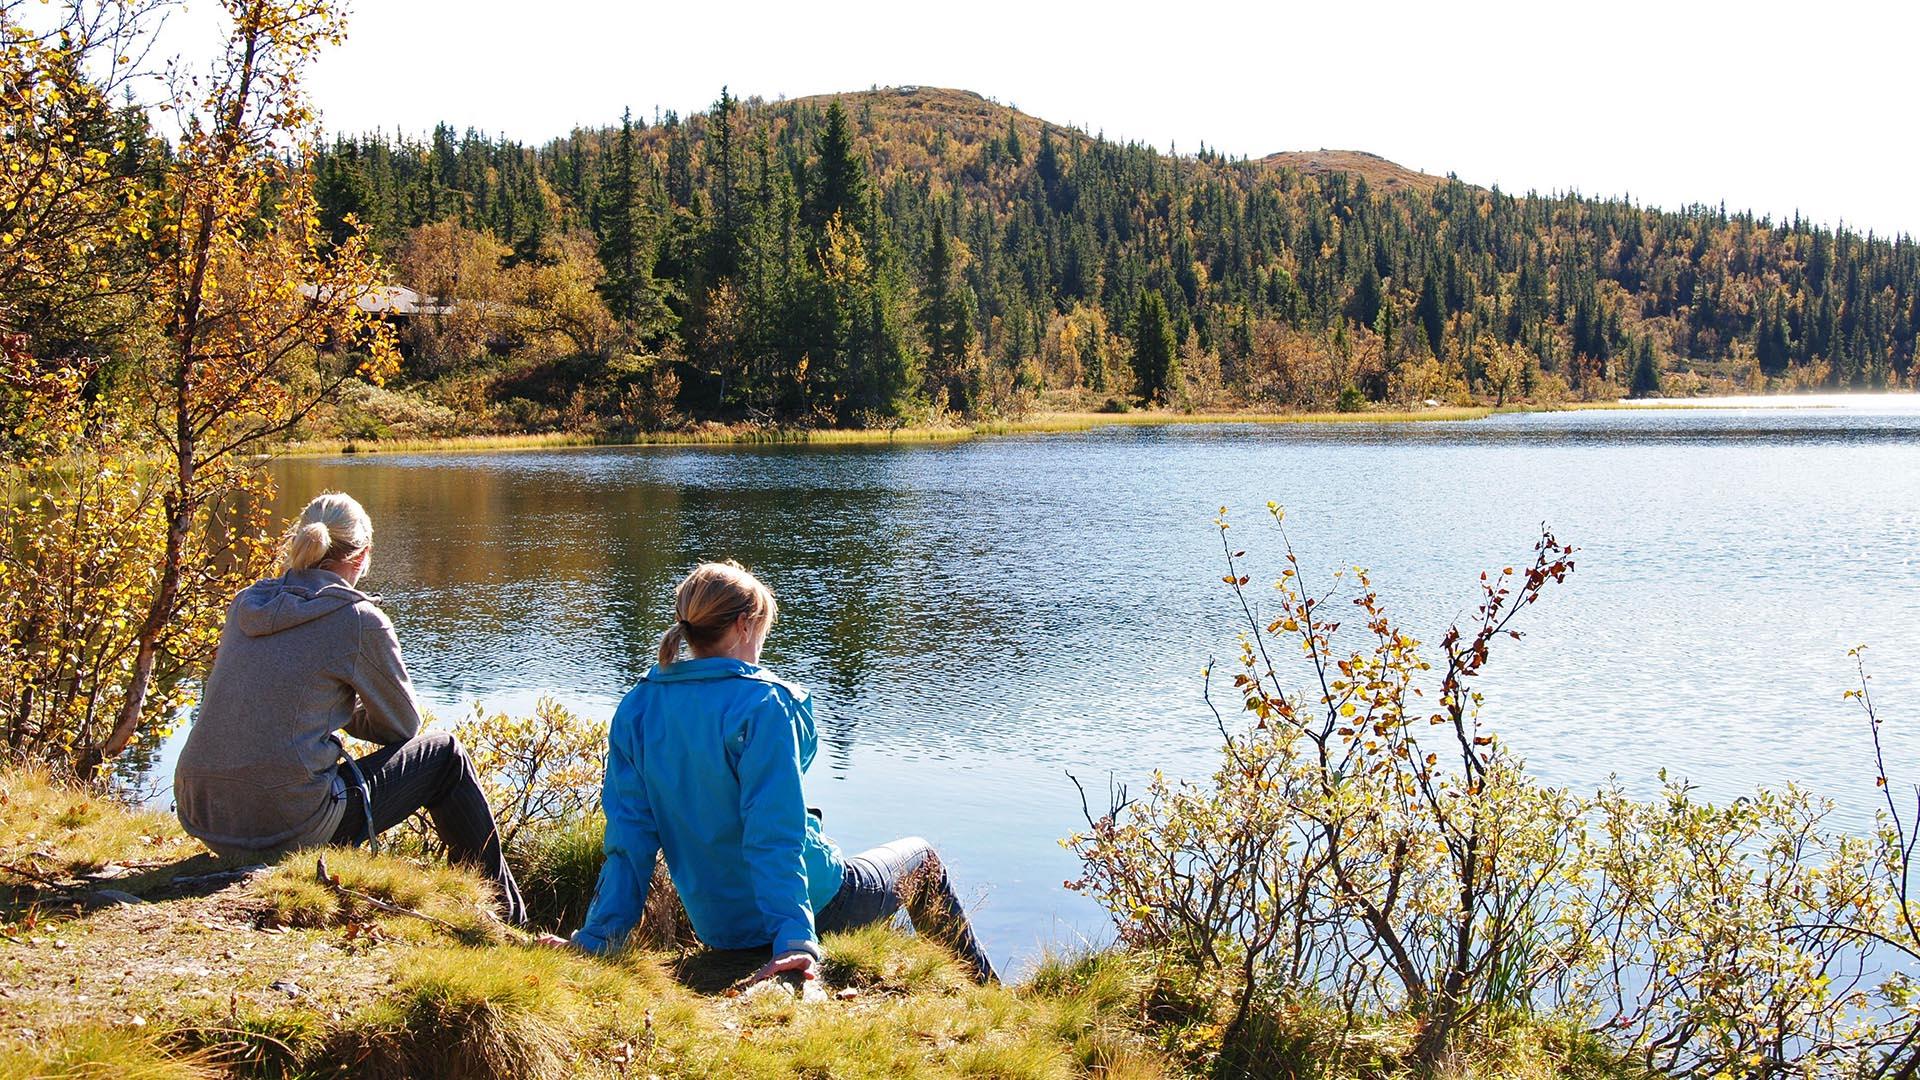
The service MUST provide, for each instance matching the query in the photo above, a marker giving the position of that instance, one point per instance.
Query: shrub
(1368, 847)
(539, 771)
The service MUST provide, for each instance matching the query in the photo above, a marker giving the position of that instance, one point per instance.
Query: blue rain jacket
(704, 759)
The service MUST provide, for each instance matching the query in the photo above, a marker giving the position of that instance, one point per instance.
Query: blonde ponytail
(332, 527)
(708, 602)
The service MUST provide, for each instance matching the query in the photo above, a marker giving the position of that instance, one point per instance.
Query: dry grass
(66, 833)
(280, 977)
(1086, 421)
(89, 1052)
(718, 434)
(294, 896)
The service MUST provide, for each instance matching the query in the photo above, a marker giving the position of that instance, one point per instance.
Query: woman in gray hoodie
(304, 656)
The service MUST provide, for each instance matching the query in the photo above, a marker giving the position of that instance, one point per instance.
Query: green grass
(58, 831)
(558, 868)
(98, 1052)
(878, 959)
(197, 987)
(294, 895)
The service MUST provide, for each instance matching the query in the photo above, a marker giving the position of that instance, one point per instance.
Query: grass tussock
(523, 1012)
(879, 959)
(99, 1052)
(255, 1041)
(295, 897)
(558, 868)
(62, 831)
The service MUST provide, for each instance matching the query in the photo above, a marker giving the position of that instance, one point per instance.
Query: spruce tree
(934, 313)
(626, 244)
(679, 163)
(1432, 314)
(1646, 370)
(837, 183)
(1154, 347)
(1364, 306)
(728, 199)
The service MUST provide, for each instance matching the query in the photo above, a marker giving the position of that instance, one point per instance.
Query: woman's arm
(632, 842)
(387, 712)
(773, 818)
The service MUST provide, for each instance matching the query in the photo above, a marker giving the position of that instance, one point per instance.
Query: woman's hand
(802, 962)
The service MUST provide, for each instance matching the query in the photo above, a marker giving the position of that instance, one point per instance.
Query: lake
(977, 620)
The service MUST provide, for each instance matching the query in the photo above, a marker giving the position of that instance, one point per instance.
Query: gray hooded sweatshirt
(302, 656)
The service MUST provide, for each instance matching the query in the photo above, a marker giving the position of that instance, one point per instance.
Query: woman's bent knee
(439, 742)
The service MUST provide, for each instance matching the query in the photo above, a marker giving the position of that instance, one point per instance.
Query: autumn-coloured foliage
(1369, 845)
(135, 494)
(540, 771)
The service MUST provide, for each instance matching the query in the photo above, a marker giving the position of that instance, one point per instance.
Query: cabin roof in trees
(394, 300)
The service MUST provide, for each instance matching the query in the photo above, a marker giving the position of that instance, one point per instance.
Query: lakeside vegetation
(1038, 424)
(275, 974)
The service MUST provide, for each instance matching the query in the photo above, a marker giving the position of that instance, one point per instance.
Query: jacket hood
(297, 597)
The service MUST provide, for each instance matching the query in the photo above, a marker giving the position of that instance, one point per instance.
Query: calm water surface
(978, 620)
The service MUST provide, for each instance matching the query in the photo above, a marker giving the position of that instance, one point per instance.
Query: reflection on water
(978, 619)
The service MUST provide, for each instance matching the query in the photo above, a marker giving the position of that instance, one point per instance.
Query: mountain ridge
(952, 102)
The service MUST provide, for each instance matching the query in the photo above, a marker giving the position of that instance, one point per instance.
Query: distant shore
(1037, 424)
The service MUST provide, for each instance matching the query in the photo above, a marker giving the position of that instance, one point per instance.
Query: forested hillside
(884, 255)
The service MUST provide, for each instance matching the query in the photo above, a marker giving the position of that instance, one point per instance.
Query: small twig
(375, 902)
(35, 876)
(217, 877)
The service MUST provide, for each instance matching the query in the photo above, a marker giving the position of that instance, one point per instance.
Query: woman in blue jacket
(703, 763)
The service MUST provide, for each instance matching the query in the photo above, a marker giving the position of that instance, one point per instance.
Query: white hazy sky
(1769, 106)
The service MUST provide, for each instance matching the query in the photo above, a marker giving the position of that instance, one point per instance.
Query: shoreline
(1048, 422)
(1044, 423)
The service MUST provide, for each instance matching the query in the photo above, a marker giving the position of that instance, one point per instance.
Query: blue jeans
(878, 881)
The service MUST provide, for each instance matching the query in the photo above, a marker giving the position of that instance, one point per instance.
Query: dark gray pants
(878, 881)
(431, 771)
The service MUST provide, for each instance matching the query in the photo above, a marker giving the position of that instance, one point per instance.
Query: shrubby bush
(1368, 848)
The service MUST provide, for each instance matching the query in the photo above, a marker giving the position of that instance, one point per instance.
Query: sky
(1770, 107)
